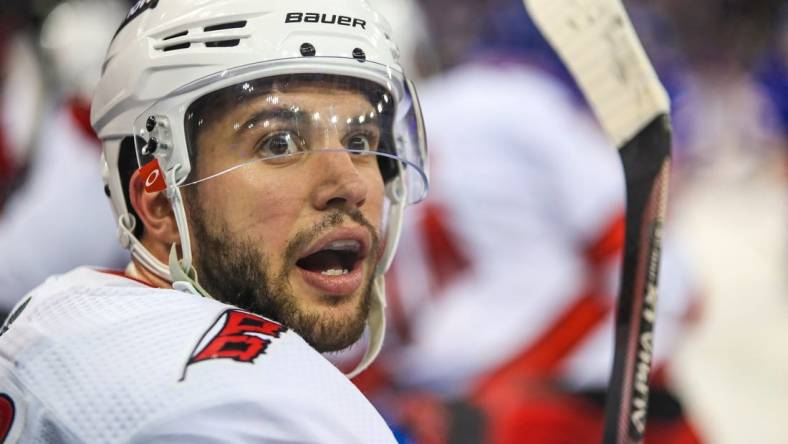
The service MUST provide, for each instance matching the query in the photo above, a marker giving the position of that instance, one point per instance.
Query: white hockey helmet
(169, 54)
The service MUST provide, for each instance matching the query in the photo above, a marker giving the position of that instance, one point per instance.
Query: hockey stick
(596, 41)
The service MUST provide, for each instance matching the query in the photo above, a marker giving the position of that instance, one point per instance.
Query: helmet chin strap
(184, 275)
(376, 320)
(176, 201)
(126, 224)
(183, 280)
(376, 323)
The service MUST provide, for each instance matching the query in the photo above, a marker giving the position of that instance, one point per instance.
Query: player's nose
(339, 182)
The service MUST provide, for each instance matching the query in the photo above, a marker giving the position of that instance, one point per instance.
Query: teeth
(344, 245)
(334, 272)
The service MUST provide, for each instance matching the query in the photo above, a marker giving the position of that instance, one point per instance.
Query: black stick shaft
(646, 161)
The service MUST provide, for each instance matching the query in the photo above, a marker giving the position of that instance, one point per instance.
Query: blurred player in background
(258, 159)
(57, 217)
(23, 93)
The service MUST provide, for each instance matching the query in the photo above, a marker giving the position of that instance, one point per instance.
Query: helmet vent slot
(223, 43)
(176, 47)
(223, 26)
(180, 34)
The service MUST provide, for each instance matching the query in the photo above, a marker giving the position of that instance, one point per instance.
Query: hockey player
(263, 151)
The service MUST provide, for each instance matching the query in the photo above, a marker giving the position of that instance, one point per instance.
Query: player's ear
(154, 210)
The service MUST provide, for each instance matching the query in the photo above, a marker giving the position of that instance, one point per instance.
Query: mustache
(334, 219)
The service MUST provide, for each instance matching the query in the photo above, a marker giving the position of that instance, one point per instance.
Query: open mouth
(334, 265)
(335, 259)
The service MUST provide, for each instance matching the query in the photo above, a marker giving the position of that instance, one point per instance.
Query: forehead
(307, 101)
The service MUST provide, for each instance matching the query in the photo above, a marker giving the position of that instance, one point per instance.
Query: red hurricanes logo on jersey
(236, 335)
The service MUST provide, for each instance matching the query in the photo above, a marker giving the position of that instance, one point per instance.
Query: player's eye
(361, 142)
(278, 144)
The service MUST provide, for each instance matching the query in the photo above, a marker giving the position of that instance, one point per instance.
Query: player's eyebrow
(275, 113)
(366, 119)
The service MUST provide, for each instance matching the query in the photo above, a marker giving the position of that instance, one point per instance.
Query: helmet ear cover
(216, 103)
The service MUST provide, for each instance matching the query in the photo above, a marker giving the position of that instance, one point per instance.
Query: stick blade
(598, 44)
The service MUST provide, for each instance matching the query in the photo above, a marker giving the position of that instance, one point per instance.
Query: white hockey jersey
(94, 357)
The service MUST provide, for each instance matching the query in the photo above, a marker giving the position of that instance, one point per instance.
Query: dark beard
(233, 270)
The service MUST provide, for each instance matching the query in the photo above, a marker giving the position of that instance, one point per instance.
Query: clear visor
(278, 122)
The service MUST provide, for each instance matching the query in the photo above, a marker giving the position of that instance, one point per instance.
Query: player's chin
(334, 324)
(327, 337)
(331, 321)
